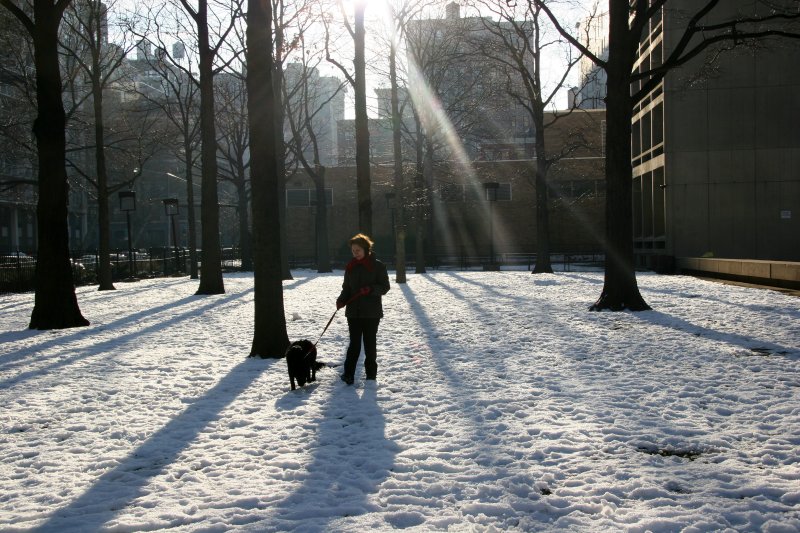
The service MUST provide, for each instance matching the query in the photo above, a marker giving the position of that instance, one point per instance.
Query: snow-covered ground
(501, 404)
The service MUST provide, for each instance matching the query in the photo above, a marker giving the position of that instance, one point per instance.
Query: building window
(306, 197)
(503, 193)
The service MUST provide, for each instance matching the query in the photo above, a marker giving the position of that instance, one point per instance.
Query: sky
(501, 404)
(377, 30)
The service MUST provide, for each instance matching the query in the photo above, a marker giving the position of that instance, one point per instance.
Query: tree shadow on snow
(583, 278)
(61, 338)
(21, 356)
(750, 343)
(351, 458)
(779, 313)
(116, 489)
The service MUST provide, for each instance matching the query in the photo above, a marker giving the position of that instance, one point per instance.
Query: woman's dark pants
(366, 329)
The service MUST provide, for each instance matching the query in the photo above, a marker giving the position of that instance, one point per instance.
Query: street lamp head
(171, 206)
(127, 201)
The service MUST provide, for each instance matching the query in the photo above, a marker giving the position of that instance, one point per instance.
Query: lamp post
(391, 203)
(171, 209)
(491, 195)
(127, 203)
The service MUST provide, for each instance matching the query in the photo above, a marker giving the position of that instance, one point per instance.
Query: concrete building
(715, 151)
(715, 155)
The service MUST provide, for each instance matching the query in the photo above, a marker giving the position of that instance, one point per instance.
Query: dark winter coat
(357, 276)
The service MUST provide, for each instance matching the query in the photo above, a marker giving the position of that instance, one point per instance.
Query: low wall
(775, 273)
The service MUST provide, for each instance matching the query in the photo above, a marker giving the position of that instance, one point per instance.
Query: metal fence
(561, 262)
(18, 270)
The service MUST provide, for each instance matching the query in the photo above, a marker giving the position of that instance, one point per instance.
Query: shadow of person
(351, 458)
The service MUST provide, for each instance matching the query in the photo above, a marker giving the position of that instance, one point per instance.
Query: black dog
(301, 361)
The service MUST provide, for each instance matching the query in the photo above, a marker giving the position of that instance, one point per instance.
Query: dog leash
(351, 300)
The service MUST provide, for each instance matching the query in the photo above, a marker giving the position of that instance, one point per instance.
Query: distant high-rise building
(456, 58)
(591, 93)
(325, 105)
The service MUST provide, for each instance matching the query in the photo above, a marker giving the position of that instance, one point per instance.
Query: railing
(561, 262)
(18, 270)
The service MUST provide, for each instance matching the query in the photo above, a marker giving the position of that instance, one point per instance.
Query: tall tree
(520, 44)
(400, 15)
(211, 273)
(358, 80)
(305, 98)
(706, 27)
(362, 123)
(270, 338)
(86, 42)
(176, 98)
(399, 229)
(55, 303)
(456, 96)
(234, 148)
(281, 18)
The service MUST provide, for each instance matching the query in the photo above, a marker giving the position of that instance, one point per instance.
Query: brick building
(459, 214)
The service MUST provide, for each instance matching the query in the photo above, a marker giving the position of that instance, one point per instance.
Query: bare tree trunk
(542, 213)
(270, 338)
(420, 201)
(430, 207)
(277, 81)
(192, 220)
(362, 127)
(321, 223)
(245, 238)
(55, 303)
(399, 229)
(103, 215)
(620, 290)
(211, 271)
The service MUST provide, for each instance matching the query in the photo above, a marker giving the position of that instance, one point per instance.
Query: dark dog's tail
(319, 364)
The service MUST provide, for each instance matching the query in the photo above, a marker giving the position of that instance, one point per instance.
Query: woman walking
(366, 277)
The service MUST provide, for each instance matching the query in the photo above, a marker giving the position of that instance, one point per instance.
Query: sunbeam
(435, 121)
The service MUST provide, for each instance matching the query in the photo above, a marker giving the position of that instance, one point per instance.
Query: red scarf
(366, 262)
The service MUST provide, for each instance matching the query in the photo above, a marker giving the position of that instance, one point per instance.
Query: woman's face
(358, 252)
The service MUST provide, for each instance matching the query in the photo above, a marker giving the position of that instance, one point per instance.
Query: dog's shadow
(292, 399)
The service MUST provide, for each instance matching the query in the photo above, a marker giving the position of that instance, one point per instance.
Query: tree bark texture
(270, 338)
(321, 222)
(211, 269)
(620, 290)
(55, 303)
(399, 229)
(103, 215)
